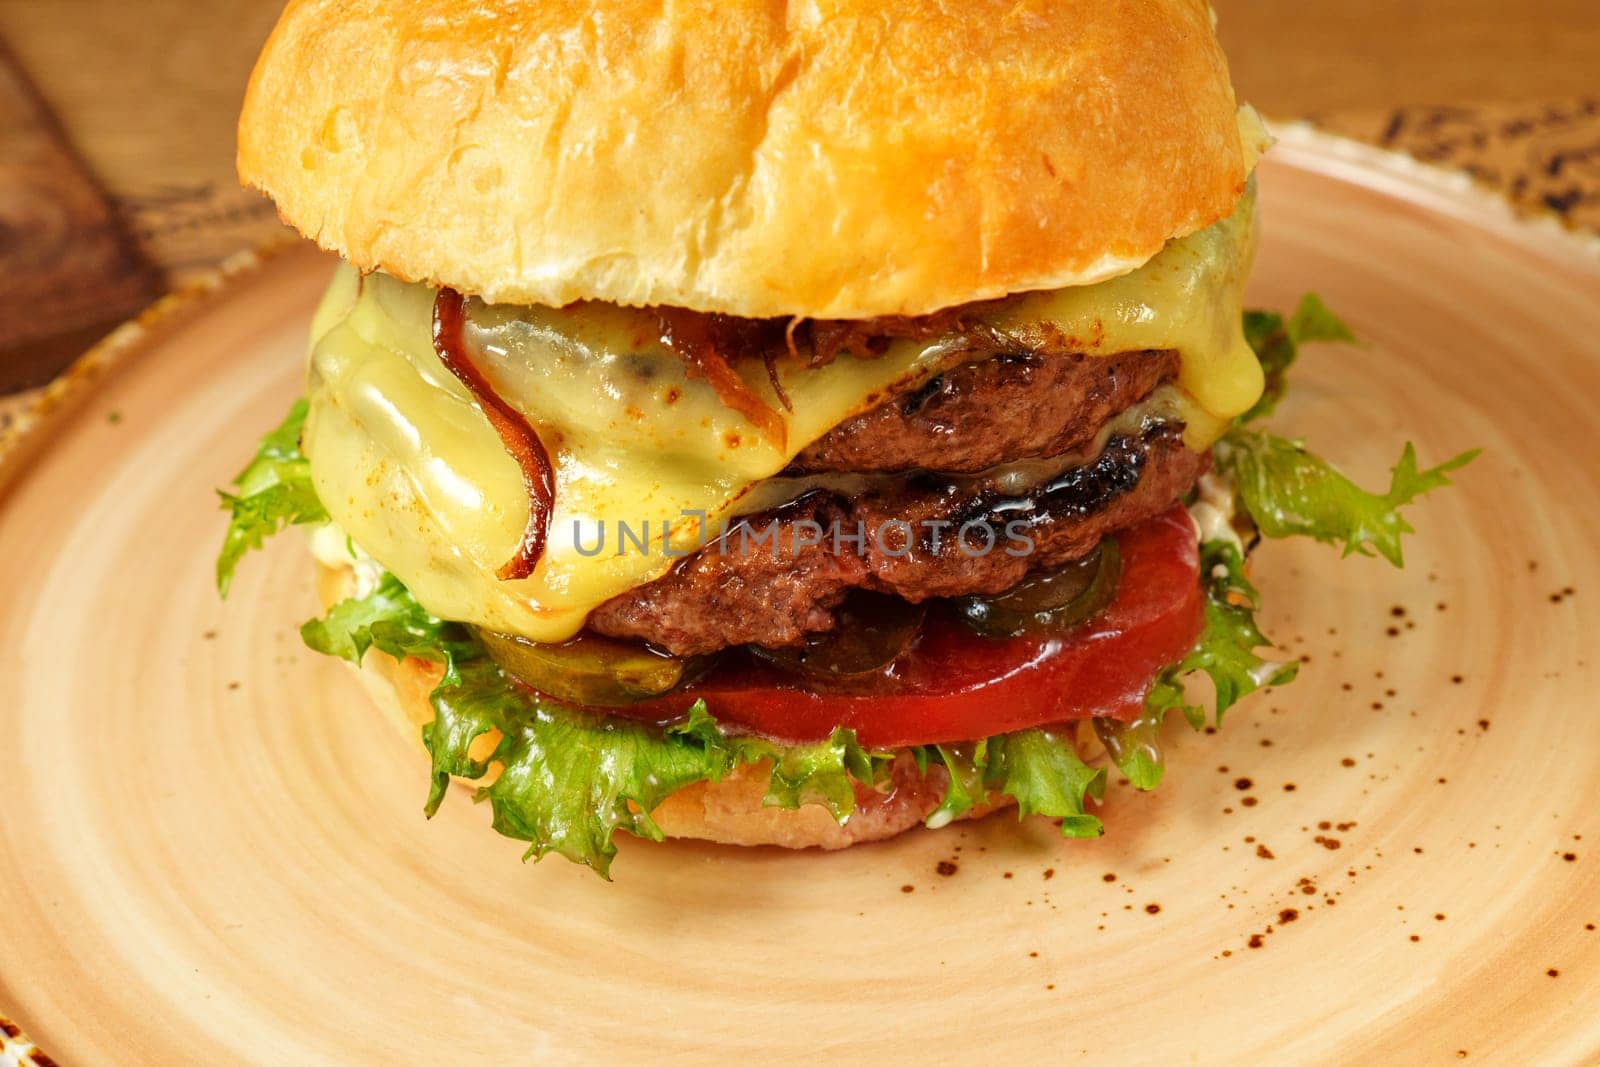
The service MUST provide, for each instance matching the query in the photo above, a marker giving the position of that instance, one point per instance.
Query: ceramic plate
(212, 849)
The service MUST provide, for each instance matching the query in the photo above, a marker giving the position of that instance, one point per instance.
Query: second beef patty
(779, 575)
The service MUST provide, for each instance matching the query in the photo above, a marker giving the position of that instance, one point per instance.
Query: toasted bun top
(835, 158)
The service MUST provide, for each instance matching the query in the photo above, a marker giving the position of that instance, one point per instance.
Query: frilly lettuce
(1040, 769)
(1276, 342)
(1283, 487)
(274, 491)
(1287, 491)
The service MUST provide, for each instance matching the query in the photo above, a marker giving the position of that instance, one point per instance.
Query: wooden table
(145, 94)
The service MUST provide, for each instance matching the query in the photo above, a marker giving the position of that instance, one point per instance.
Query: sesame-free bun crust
(837, 159)
(730, 811)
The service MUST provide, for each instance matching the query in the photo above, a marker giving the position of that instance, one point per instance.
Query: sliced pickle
(590, 669)
(872, 630)
(1050, 600)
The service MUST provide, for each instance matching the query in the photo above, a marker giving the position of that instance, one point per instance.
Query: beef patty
(996, 410)
(1015, 399)
(777, 576)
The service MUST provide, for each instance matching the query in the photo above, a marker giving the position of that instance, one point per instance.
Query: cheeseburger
(782, 424)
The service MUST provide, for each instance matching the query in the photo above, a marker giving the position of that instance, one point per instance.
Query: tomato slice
(954, 685)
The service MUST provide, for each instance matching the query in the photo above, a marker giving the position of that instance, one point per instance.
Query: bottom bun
(731, 812)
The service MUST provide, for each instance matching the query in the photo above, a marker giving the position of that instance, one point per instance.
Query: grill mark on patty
(917, 399)
(1075, 492)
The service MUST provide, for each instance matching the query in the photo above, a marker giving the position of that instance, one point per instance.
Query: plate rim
(1342, 156)
(51, 406)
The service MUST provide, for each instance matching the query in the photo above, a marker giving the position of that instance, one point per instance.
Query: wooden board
(71, 274)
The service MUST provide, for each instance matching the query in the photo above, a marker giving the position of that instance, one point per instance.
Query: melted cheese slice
(409, 467)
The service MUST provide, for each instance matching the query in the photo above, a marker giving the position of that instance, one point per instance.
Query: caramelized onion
(870, 338)
(692, 336)
(771, 359)
(520, 439)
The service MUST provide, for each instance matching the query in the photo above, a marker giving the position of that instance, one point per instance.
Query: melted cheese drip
(408, 466)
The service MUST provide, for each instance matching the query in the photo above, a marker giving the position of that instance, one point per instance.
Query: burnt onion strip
(520, 439)
(699, 340)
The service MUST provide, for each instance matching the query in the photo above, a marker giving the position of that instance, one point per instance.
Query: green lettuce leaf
(964, 765)
(1227, 644)
(1135, 746)
(568, 781)
(274, 491)
(823, 773)
(1312, 321)
(1277, 342)
(1042, 771)
(390, 619)
(571, 780)
(1288, 491)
